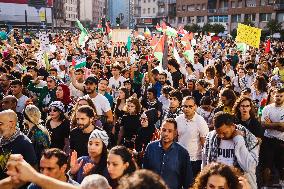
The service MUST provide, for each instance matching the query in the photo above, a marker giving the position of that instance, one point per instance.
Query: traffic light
(117, 20)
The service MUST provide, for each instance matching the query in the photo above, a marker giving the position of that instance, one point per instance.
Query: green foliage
(207, 27)
(217, 28)
(273, 26)
(192, 28)
(248, 22)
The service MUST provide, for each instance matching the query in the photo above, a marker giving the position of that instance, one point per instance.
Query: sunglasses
(53, 110)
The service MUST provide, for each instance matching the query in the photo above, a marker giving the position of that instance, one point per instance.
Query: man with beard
(169, 159)
(174, 109)
(272, 149)
(79, 136)
(101, 103)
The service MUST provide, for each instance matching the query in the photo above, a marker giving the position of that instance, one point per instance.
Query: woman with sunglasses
(58, 126)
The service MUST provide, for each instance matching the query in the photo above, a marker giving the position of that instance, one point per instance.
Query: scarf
(214, 142)
(5, 141)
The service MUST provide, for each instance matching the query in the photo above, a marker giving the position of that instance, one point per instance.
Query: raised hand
(74, 164)
(87, 168)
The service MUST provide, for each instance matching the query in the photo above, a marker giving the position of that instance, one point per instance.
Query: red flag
(164, 25)
(158, 26)
(154, 41)
(73, 62)
(267, 47)
(99, 26)
(160, 45)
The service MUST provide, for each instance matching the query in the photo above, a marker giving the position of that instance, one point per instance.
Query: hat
(100, 134)
(57, 104)
(91, 79)
(32, 114)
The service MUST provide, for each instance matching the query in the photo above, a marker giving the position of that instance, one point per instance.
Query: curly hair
(236, 108)
(231, 175)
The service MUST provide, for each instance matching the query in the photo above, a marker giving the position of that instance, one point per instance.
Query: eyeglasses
(187, 106)
(53, 110)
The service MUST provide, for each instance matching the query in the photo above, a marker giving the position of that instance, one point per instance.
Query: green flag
(128, 45)
(83, 34)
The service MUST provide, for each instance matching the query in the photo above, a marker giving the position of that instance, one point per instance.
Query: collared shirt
(189, 134)
(172, 165)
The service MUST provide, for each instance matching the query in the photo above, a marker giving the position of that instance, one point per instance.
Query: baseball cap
(91, 79)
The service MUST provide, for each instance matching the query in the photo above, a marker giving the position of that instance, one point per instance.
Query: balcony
(211, 10)
(279, 6)
(223, 10)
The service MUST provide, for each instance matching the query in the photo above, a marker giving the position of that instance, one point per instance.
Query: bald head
(8, 123)
(9, 102)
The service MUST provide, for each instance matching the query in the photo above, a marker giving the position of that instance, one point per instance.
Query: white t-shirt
(115, 84)
(198, 68)
(226, 152)
(275, 114)
(189, 133)
(55, 63)
(101, 103)
(21, 103)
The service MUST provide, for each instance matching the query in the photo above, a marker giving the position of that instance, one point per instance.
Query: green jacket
(43, 92)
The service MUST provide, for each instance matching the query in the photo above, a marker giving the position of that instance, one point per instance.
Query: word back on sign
(120, 52)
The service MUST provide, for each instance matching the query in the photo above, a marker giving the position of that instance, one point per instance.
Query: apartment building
(228, 12)
(91, 10)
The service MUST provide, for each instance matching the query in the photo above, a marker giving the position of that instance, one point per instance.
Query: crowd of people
(213, 121)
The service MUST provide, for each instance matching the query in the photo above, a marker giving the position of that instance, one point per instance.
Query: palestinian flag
(189, 52)
(171, 32)
(186, 38)
(128, 45)
(83, 35)
(79, 62)
(159, 28)
(159, 49)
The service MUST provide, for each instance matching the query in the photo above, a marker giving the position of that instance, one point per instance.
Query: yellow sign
(249, 35)
(42, 15)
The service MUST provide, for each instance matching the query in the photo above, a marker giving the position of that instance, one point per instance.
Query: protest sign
(44, 42)
(120, 35)
(248, 35)
(119, 47)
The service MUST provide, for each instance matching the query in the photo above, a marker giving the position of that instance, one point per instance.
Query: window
(250, 17)
(190, 8)
(149, 1)
(240, 3)
(233, 4)
(149, 10)
(179, 20)
(200, 19)
(190, 19)
(198, 7)
(265, 17)
(144, 11)
(236, 18)
(203, 6)
(144, 1)
(263, 2)
(154, 10)
(183, 8)
(218, 19)
(280, 17)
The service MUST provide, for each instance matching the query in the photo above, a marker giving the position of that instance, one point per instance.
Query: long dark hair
(126, 92)
(236, 108)
(101, 166)
(126, 157)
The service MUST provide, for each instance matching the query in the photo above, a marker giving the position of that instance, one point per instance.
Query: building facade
(119, 9)
(229, 12)
(91, 10)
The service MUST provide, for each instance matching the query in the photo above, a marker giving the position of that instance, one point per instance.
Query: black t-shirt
(198, 96)
(58, 134)
(253, 125)
(79, 141)
(176, 76)
(130, 124)
(21, 145)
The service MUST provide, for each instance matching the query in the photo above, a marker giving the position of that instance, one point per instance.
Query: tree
(218, 28)
(248, 22)
(273, 26)
(192, 28)
(207, 28)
